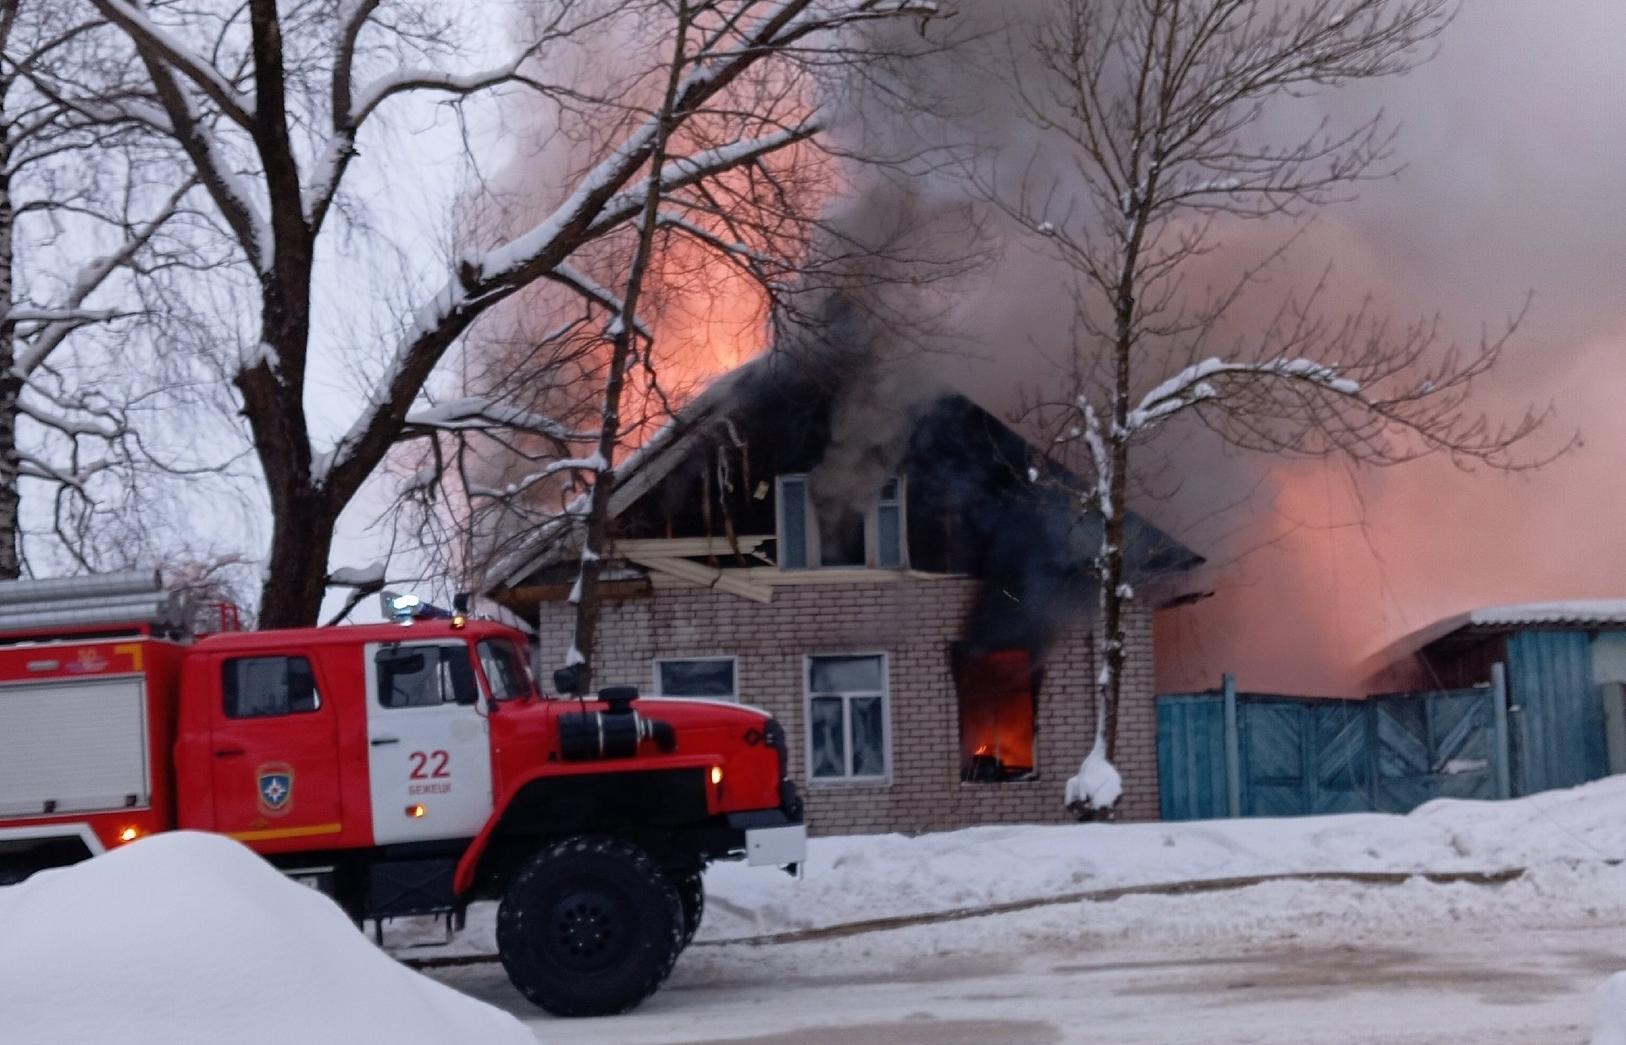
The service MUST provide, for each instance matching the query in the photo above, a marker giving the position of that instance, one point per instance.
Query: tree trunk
(10, 384)
(1112, 598)
(587, 596)
(1116, 510)
(296, 578)
(10, 461)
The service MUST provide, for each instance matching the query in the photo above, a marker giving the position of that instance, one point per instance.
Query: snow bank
(857, 877)
(1566, 840)
(1611, 1025)
(190, 938)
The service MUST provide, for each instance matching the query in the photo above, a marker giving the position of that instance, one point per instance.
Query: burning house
(909, 595)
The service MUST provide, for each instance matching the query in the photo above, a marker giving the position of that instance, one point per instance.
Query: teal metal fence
(1252, 754)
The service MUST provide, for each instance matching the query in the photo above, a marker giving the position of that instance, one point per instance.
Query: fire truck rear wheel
(589, 927)
(691, 892)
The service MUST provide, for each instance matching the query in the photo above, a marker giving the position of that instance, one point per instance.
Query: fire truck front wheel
(589, 927)
(691, 892)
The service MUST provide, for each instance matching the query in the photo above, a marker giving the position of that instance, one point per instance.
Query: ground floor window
(995, 691)
(847, 717)
(710, 677)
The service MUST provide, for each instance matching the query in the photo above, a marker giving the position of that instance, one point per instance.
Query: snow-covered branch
(370, 576)
(595, 292)
(685, 171)
(401, 81)
(1196, 384)
(41, 343)
(592, 463)
(478, 414)
(198, 70)
(67, 425)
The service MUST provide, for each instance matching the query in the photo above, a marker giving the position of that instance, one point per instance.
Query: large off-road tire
(692, 894)
(589, 927)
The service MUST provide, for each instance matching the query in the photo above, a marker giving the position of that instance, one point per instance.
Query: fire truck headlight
(416, 812)
(716, 775)
(130, 834)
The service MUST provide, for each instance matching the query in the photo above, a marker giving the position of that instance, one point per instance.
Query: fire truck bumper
(776, 846)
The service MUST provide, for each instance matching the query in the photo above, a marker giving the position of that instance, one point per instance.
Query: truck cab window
(424, 676)
(256, 687)
(505, 670)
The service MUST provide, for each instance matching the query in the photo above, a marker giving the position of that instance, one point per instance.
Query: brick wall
(913, 620)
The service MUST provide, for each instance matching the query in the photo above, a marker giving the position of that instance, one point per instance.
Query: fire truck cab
(405, 769)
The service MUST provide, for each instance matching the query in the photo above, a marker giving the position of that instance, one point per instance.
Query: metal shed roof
(1567, 612)
(1491, 620)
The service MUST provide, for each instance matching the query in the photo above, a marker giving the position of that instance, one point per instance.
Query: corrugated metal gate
(1559, 738)
(1296, 756)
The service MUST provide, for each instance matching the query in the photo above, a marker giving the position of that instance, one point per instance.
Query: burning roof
(981, 500)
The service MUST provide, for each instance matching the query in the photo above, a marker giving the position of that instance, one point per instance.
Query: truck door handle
(228, 752)
(381, 741)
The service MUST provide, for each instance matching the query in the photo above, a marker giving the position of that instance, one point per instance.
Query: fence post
(1233, 753)
(1504, 769)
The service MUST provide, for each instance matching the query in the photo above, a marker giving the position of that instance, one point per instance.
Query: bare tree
(271, 105)
(1167, 119)
(83, 211)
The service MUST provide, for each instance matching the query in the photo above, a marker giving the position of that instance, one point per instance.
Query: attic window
(872, 537)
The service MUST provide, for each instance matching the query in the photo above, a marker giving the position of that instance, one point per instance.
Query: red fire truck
(404, 768)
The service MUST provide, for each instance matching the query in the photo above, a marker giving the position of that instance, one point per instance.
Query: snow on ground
(1437, 984)
(190, 938)
(858, 877)
(1568, 842)
(1287, 962)
(1611, 1027)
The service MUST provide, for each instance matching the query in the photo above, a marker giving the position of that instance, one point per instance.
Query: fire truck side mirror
(567, 680)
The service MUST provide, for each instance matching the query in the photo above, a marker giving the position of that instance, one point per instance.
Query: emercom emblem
(276, 788)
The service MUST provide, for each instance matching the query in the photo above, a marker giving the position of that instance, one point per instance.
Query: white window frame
(848, 780)
(872, 529)
(872, 535)
(734, 668)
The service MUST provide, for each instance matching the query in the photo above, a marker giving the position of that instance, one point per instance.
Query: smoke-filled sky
(1515, 178)
(1515, 183)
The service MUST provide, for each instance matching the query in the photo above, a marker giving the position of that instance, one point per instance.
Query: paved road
(1033, 980)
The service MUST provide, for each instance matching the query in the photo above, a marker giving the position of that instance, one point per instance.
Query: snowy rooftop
(1563, 613)
(1567, 611)
(1560, 613)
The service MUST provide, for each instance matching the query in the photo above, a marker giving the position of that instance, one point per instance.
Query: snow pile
(1611, 1025)
(1097, 784)
(187, 937)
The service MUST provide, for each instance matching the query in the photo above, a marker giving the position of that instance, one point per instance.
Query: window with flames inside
(997, 700)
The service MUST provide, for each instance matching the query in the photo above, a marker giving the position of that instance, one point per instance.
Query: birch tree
(82, 217)
(275, 106)
(1171, 122)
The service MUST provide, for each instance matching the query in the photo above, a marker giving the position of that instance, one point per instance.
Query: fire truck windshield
(504, 669)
